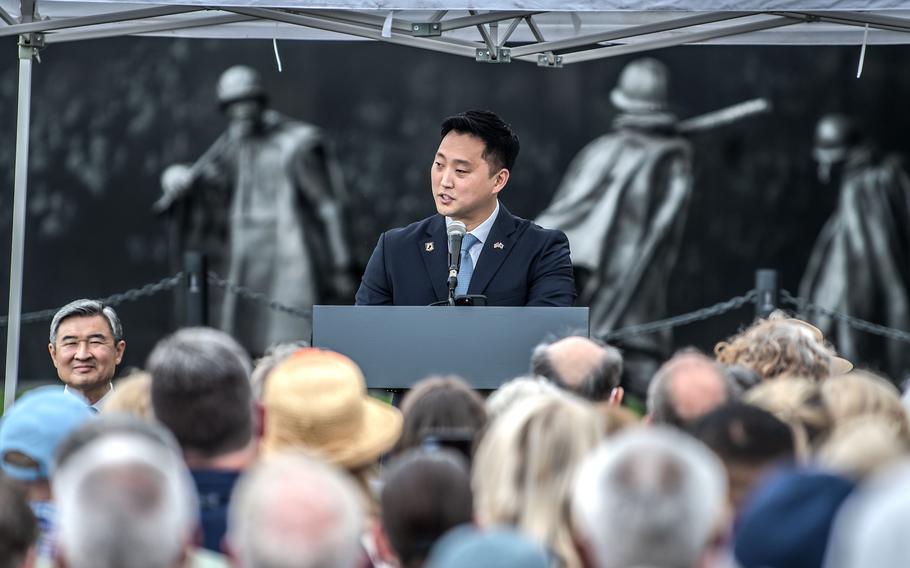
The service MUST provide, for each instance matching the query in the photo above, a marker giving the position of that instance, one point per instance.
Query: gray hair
(124, 501)
(649, 497)
(275, 355)
(85, 308)
(597, 383)
(866, 529)
(294, 490)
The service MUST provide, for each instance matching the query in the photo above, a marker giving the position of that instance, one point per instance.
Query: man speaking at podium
(509, 260)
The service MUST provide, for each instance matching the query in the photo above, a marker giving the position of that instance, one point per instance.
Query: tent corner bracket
(495, 55)
(549, 59)
(426, 29)
(29, 45)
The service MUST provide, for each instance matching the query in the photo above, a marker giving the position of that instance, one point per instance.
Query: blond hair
(863, 445)
(525, 467)
(861, 393)
(798, 403)
(133, 396)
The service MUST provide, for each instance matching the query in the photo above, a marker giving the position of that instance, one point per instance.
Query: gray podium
(397, 346)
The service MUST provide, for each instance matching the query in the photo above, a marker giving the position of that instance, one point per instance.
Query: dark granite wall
(109, 115)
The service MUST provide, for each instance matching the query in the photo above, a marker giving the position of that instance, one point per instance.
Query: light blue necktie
(467, 264)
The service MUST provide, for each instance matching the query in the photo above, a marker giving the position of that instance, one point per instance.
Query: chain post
(767, 297)
(196, 291)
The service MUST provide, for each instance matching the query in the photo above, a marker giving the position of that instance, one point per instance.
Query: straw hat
(317, 400)
(839, 365)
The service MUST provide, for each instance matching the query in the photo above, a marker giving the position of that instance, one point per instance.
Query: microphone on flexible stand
(456, 231)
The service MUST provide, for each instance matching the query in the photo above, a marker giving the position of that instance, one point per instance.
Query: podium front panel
(396, 346)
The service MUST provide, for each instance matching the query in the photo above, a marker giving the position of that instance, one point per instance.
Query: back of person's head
(588, 368)
(132, 396)
(108, 425)
(446, 409)
(18, 527)
(201, 391)
(125, 501)
(870, 528)
(685, 388)
(787, 521)
(748, 440)
(740, 378)
(500, 141)
(317, 400)
(863, 445)
(798, 403)
(514, 392)
(273, 356)
(525, 465)
(778, 347)
(425, 493)
(293, 511)
(648, 497)
(498, 547)
(863, 393)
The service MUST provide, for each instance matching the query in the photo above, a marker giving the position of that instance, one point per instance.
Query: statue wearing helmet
(265, 201)
(860, 264)
(623, 205)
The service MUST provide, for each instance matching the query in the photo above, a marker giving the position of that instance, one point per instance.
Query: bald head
(587, 368)
(294, 506)
(685, 388)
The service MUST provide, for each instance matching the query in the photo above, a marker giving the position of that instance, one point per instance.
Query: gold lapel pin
(428, 247)
(498, 245)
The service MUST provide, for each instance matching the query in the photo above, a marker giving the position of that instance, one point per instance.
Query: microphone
(456, 231)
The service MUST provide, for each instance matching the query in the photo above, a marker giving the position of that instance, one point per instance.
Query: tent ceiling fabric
(545, 32)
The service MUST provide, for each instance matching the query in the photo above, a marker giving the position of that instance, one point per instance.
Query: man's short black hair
(500, 140)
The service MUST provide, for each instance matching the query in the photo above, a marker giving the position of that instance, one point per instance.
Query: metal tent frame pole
(28, 47)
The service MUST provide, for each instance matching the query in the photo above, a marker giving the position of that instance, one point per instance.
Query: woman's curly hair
(778, 348)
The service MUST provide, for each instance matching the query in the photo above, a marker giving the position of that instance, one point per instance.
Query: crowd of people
(769, 452)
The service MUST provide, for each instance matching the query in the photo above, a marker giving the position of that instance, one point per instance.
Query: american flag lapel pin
(498, 245)
(428, 246)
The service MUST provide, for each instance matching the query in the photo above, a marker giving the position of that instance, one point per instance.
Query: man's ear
(53, 352)
(230, 552)
(383, 547)
(120, 346)
(500, 179)
(616, 396)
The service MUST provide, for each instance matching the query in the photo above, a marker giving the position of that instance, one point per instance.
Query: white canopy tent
(548, 33)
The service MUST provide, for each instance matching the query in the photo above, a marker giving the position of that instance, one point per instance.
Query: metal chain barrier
(257, 297)
(805, 306)
(683, 319)
(131, 295)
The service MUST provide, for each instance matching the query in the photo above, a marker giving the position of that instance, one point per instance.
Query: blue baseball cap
(35, 425)
(468, 547)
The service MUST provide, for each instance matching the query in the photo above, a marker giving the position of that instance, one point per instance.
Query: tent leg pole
(26, 55)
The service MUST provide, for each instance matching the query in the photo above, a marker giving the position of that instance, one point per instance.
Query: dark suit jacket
(521, 264)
